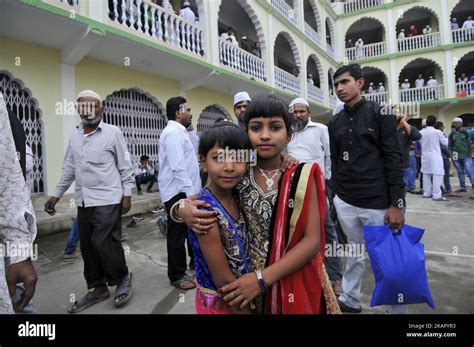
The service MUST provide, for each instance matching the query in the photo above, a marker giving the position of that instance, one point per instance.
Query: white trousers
(432, 188)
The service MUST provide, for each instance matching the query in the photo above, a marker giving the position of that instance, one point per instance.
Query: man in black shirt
(367, 175)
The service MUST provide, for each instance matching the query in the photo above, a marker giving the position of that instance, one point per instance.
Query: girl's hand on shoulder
(199, 221)
(287, 161)
(242, 291)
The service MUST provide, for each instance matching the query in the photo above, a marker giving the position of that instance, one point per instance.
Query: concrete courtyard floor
(448, 240)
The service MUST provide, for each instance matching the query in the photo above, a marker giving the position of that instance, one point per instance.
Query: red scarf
(300, 292)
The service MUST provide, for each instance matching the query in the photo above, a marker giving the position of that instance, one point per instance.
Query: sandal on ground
(184, 283)
(123, 292)
(90, 299)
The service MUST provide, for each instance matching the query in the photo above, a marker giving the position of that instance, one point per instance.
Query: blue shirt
(229, 242)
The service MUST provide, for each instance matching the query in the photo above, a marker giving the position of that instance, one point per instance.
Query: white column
(449, 77)
(445, 25)
(98, 10)
(304, 74)
(68, 95)
(299, 10)
(213, 38)
(269, 52)
(394, 90)
(391, 34)
(324, 15)
(339, 41)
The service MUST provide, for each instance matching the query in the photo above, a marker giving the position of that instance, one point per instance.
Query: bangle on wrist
(173, 213)
(261, 281)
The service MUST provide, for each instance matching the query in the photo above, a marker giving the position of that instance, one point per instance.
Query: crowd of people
(231, 193)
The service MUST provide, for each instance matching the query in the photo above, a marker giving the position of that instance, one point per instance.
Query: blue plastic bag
(398, 264)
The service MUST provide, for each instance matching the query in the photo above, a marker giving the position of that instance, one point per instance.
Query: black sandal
(90, 299)
(123, 293)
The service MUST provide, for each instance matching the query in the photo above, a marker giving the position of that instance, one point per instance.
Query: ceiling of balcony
(463, 9)
(465, 65)
(368, 29)
(231, 14)
(420, 17)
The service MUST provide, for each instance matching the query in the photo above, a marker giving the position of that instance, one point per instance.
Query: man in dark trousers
(178, 178)
(366, 161)
(98, 161)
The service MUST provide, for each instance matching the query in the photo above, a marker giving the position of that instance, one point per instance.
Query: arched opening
(467, 120)
(287, 69)
(210, 115)
(232, 14)
(315, 75)
(417, 28)
(330, 34)
(284, 54)
(140, 117)
(331, 82)
(20, 100)
(464, 74)
(459, 16)
(242, 41)
(365, 38)
(424, 81)
(375, 86)
(314, 70)
(312, 20)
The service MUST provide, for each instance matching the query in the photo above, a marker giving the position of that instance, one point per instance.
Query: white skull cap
(89, 94)
(241, 96)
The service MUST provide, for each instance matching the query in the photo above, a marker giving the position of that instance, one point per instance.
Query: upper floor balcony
(462, 29)
(381, 98)
(159, 24)
(306, 17)
(422, 93)
(464, 74)
(357, 5)
(286, 10)
(419, 42)
(365, 38)
(286, 80)
(417, 28)
(366, 51)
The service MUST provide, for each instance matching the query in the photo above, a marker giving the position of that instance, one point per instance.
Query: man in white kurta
(432, 160)
(17, 222)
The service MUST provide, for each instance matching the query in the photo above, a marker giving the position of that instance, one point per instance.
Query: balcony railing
(312, 34)
(286, 80)
(464, 89)
(366, 51)
(463, 35)
(419, 41)
(286, 10)
(380, 98)
(356, 5)
(422, 94)
(154, 21)
(240, 60)
(315, 93)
